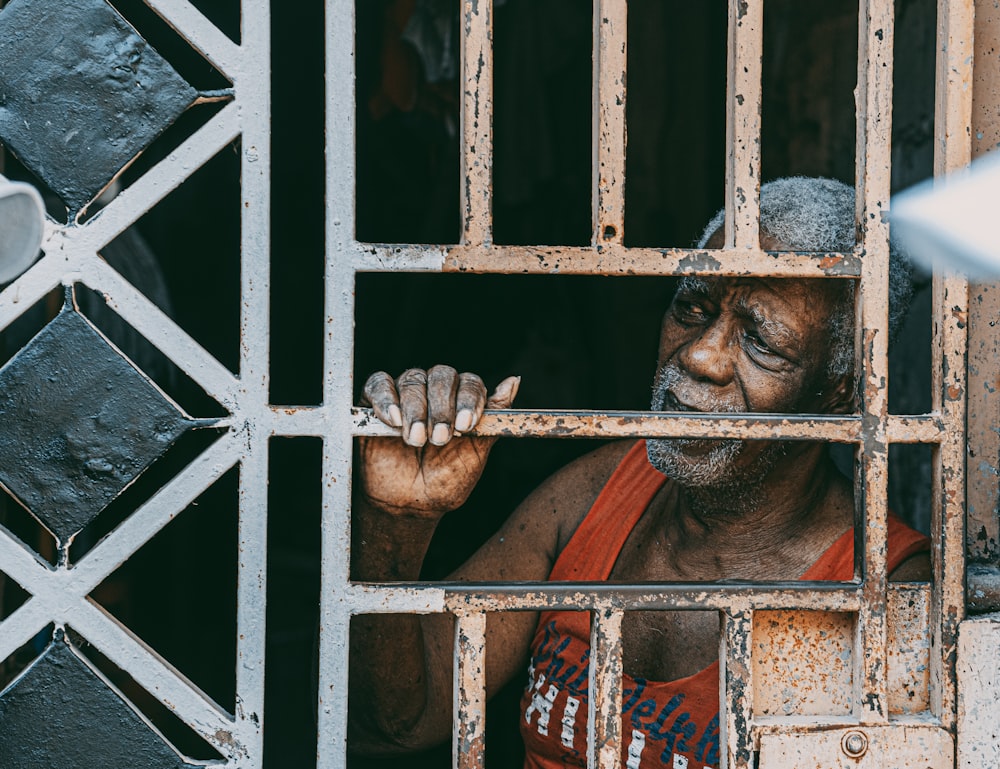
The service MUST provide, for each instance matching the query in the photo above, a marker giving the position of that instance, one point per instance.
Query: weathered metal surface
(610, 35)
(874, 111)
(469, 733)
(477, 122)
(79, 424)
(909, 649)
(62, 712)
(910, 746)
(978, 741)
(82, 94)
(802, 663)
(604, 691)
(603, 259)
(983, 515)
(618, 424)
(982, 592)
(743, 87)
(952, 151)
(737, 686)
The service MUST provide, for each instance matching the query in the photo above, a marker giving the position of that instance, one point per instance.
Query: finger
(380, 392)
(412, 388)
(442, 387)
(470, 402)
(504, 395)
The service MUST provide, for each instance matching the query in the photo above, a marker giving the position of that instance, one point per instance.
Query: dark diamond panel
(59, 712)
(81, 93)
(78, 423)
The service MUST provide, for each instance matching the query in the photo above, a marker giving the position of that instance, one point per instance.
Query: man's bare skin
(767, 512)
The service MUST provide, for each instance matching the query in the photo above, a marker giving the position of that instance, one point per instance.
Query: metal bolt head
(854, 744)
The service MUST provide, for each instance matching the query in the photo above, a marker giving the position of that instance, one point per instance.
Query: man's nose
(708, 357)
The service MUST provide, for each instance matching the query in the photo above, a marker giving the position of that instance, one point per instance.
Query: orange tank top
(664, 723)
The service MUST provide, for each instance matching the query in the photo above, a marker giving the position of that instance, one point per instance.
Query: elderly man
(647, 511)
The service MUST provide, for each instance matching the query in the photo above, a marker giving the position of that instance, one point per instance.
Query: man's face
(740, 345)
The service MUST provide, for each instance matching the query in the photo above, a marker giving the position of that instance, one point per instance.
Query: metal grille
(59, 594)
(872, 429)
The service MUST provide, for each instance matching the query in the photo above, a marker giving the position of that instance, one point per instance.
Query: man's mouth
(671, 403)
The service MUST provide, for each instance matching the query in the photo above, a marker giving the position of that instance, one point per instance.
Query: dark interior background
(577, 342)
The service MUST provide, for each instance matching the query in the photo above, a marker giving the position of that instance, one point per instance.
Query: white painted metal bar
(952, 153)
(163, 332)
(604, 689)
(204, 36)
(743, 100)
(150, 518)
(338, 357)
(21, 563)
(162, 179)
(23, 624)
(608, 123)
(604, 259)
(253, 94)
(477, 123)
(31, 287)
(874, 121)
(736, 688)
(469, 728)
(156, 675)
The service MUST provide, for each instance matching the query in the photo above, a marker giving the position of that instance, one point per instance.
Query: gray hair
(817, 214)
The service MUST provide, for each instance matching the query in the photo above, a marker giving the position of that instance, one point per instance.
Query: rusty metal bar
(425, 598)
(604, 722)
(469, 727)
(477, 123)
(736, 689)
(605, 259)
(743, 98)
(608, 137)
(952, 152)
(622, 424)
(874, 121)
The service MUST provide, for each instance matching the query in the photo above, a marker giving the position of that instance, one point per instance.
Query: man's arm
(401, 665)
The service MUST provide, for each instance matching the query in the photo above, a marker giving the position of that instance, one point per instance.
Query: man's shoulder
(578, 484)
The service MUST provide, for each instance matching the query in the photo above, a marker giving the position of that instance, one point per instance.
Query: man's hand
(433, 469)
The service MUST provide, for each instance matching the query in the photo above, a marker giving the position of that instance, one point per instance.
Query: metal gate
(59, 592)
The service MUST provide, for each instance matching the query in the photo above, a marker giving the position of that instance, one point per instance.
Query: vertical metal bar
(983, 528)
(736, 688)
(952, 152)
(477, 123)
(252, 88)
(338, 361)
(610, 33)
(469, 729)
(874, 116)
(743, 98)
(604, 722)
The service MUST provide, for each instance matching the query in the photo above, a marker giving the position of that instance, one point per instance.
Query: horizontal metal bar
(395, 598)
(622, 424)
(611, 259)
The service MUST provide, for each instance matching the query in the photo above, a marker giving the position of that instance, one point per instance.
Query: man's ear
(839, 396)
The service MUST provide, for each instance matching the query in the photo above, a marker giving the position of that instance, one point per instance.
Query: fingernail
(463, 421)
(418, 434)
(441, 434)
(395, 416)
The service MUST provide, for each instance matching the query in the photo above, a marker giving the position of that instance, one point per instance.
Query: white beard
(715, 468)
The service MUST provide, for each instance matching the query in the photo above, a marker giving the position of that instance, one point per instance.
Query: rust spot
(954, 392)
(830, 261)
(609, 231)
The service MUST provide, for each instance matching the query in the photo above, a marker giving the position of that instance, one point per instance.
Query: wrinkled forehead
(805, 298)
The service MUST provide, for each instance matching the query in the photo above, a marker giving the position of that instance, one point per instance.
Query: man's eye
(689, 311)
(758, 344)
